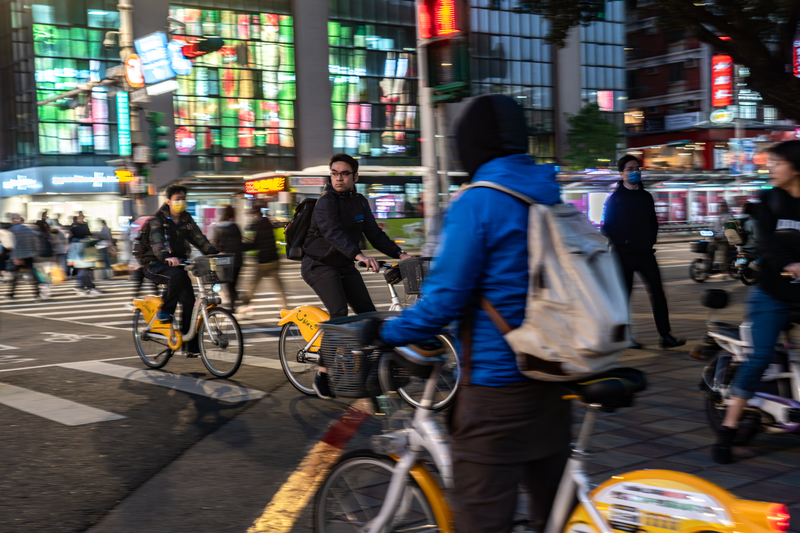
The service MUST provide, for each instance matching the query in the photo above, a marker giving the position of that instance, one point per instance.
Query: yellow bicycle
(220, 337)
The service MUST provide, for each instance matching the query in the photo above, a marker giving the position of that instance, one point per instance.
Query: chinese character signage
(721, 81)
(123, 124)
(155, 58)
(265, 186)
(796, 56)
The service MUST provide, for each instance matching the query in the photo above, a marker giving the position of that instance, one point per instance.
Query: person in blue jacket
(506, 429)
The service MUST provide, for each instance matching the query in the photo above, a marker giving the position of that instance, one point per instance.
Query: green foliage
(590, 137)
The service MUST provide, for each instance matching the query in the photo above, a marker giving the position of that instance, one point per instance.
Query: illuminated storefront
(239, 102)
(373, 75)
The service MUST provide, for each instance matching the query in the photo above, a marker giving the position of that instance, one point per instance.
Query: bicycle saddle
(612, 389)
(418, 358)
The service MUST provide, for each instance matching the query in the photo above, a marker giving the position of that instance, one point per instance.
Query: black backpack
(297, 229)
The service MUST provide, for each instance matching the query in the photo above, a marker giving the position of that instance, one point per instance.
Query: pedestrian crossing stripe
(59, 410)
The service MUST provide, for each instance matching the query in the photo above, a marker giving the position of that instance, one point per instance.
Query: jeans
(85, 279)
(769, 316)
(645, 263)
(337, 287)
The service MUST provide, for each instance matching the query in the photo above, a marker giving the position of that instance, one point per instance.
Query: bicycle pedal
(794, 415)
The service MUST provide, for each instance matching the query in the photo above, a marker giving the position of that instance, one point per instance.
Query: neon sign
(22, 183)
(721, 81)
(155, 58)
(124, 124)
(97, 180)
(265, 186)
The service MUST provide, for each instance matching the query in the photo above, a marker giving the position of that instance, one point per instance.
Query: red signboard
(265, 186)
(721, 81)
(796, 56)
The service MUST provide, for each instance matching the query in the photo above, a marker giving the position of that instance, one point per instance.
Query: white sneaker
(128, 307)
(93, 293)
(81, 292)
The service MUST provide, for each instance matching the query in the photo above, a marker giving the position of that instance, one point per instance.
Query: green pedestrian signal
(158, 141)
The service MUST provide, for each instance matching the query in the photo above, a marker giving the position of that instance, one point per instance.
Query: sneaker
(322, 388)
(721, 451)
(670, 342)
(94, 292)
(81, 292)
(246, 311)
(164, 318)
(128, 307)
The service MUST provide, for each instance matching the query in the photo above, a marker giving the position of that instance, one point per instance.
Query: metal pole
(444, 156)
(125, 30)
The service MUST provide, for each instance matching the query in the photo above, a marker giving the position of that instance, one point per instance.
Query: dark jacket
(168, 238)
(80, 230)
(779, 243)
(264, 240)
(227, 238)
(629, 220)
(339, 221)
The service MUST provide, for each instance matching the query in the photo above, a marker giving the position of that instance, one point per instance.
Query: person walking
(719, 250)
(631, 225)
(268, 263)
(505, 429)
(777, 296)
(6, 246)
(341, 217)
(227, 238)
(106, 244)
(134, 267)
(26, 248)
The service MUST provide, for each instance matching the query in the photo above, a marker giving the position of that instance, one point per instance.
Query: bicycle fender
(435, 496)
(307, 318)
(657, 500)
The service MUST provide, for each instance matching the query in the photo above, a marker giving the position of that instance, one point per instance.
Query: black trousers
(14, 269)
(647, 267)
(337, 287)
(177, 289)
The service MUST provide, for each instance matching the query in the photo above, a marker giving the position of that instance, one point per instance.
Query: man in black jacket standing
(630, 223)
(341, 216)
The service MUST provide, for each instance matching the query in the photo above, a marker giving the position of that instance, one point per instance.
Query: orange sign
(133, 71)
(265, 186)
(124, 176)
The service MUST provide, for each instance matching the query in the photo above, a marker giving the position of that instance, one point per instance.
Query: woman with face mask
(630, 223)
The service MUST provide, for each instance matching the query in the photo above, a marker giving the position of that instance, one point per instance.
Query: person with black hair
(341, 216)
(777, 296)
(630, 223)
(227, 238)
(170, 229)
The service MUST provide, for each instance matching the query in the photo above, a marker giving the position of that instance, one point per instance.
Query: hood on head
(492, 126)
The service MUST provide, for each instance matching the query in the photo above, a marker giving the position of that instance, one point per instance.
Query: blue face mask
(634, 177)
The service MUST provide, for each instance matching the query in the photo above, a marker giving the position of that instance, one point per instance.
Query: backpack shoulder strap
(498, 187)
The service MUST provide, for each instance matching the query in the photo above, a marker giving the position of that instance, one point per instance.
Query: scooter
(703, 267)
(775, 408)
(746, 266)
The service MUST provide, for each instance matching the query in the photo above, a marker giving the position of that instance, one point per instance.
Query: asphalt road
(94, 442)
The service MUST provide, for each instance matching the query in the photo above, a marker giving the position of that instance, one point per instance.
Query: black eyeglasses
(344, 174)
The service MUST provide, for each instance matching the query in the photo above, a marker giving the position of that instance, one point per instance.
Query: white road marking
(52, 408)
(219, 390)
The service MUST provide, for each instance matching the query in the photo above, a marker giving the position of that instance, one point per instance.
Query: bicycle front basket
(414, 271)
(214, 268)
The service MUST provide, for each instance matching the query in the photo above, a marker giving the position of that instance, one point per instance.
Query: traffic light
(199, 46)
(157, 143)
(443, 26)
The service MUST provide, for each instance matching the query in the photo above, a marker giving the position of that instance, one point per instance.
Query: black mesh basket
(414, 271)
(352, 371)
(214, 268)
(699, 247)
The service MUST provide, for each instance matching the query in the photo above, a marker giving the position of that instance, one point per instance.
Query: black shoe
(635, 345)
(322, 388)
(191, 350)
(721, 451)
(670, 342)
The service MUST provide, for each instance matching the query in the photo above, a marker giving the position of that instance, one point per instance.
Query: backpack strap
(498, 187)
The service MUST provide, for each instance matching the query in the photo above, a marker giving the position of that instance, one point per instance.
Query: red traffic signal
(437, 18)
(196, 47)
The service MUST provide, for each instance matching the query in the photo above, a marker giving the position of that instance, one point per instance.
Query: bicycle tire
(230, 337)
(155, 361)
(368, 471)
(288, 351)
(389, 375)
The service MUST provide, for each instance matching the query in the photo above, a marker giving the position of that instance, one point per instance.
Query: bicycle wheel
(151, 347)
(223, 357)
(411, 388)
(298, 369)
(355, 490)
(697, 271)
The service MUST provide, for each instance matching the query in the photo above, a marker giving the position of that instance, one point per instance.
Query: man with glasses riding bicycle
(341, 216)
(170, 228)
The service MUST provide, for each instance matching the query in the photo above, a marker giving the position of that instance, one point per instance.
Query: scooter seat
(727, 329)
(612, 389)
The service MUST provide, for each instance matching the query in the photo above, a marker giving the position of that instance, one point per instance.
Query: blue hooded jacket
(483, 251)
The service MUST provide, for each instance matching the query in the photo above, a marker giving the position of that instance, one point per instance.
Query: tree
(591, 139)
(758, 34)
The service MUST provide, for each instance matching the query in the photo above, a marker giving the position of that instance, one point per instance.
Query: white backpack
(576, 317)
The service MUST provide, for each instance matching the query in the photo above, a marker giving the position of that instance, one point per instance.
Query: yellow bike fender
(690, 504)
(307, 318)
(435, 496)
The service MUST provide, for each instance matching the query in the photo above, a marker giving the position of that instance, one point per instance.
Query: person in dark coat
(227, 238)
(268, 263)
(631, 225)
(341, 216)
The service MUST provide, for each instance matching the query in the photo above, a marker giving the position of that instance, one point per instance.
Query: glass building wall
(510, 56)
(68, 50)
(373, 75)
(239, 103)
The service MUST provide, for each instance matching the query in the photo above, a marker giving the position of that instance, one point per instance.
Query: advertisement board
(155, 58)
(721, 81)
(796, 56)
(67, 180)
